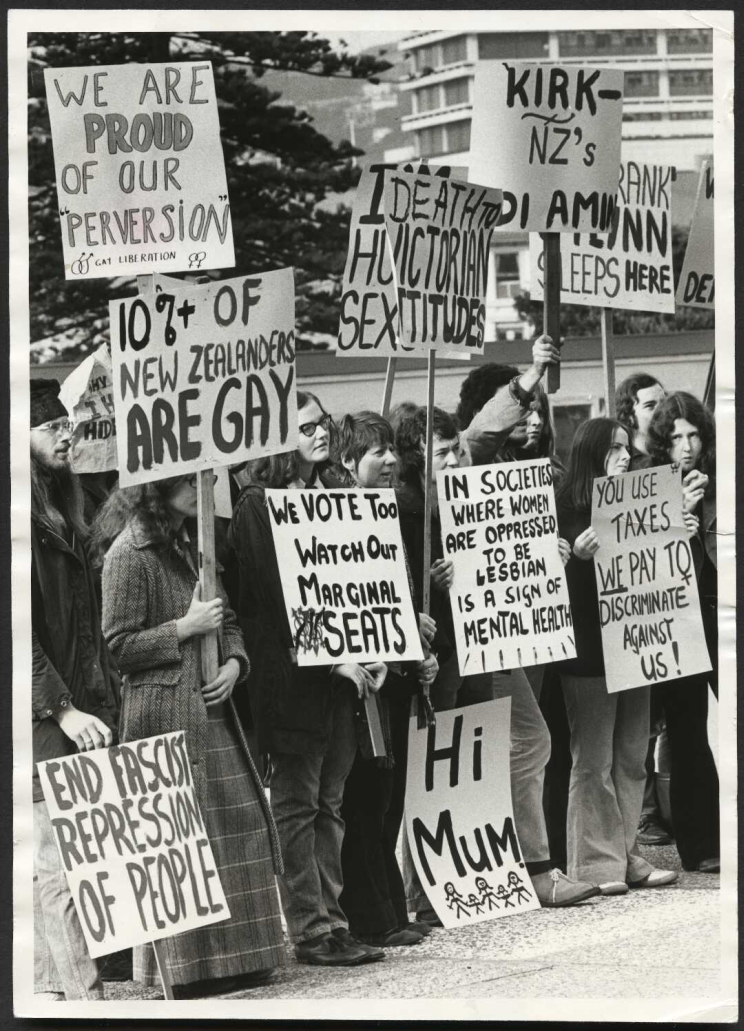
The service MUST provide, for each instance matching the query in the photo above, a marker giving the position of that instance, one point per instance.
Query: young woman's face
(618, 457)
(535, 423)
(181, 501)
(375, 468)
(446, 455)
(685, 445)
(314, 445)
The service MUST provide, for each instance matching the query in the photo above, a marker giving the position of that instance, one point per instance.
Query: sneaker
(328, 951)
(344, 935)
(650, 832)
(554, 889)
(656, 879)
(399, 936)
(613, 888)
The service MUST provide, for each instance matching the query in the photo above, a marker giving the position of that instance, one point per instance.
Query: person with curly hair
(636, 400)
(683, 431)
(304, 714)
(153, 620)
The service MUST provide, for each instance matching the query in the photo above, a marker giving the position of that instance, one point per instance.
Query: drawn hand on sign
(202, 617)
(427, 629)
(693, 489)
(358, 675)
(220, 689)
(442, 574)
(86, 731)
(426, 671)
(564, 550)
(586, 544)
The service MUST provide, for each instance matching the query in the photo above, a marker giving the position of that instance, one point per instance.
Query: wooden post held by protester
(163, 969)
(387, 396)
(207, 568)
(427, 479)
(552, 302)
(608, 362)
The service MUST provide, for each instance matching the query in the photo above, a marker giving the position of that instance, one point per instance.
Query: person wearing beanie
(72, 698)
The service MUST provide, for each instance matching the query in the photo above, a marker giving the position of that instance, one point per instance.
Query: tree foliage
(279, 169)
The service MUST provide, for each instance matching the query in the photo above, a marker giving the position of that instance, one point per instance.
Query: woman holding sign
(609, 732)
(304, 714)
(683, 431)
(153, 618)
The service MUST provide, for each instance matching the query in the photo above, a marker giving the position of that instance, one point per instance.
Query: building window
(454, 50)
(514, 45)
(458, 136)
(427, 99)
(426, 57)
(507, 274)
(641, 84)
(692, 82)
(430, 141)
(689, 116)
(689, 41)
(456, 92)
(621, 43)
(643, 116)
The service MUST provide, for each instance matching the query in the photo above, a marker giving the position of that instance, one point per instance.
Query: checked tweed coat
(145, 589)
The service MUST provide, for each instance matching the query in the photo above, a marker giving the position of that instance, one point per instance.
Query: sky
(360, 40)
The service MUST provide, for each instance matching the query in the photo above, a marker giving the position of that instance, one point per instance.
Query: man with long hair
(636, 400)
(73, 703)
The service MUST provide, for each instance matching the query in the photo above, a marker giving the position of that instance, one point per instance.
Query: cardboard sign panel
(459, 817)
(88, 396)
(697, 281)
(652, 629)
(133, 842)
(509, 598)
(631, 266)
(344, 577)
(140, 174)
(370, 321)
(204, 376)
(549, 137)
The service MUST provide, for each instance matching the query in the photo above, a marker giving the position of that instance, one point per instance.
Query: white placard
(697, 281)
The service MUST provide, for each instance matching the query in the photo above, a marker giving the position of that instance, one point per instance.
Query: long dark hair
(57, 501)
(282, 469)
(410, 439)
(479, 386)
(145, 503)
(682, 405)
(546, 443)
(626, 396)
(586, 461)
(356, 435)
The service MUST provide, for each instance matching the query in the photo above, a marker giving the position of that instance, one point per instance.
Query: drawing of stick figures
(455, 900)
(487, 893)
(503, 895)
(475, 903)
(518, 888)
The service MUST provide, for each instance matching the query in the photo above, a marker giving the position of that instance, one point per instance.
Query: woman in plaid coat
(153, 619)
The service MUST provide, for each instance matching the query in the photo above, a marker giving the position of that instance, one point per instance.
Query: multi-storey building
(667, 108)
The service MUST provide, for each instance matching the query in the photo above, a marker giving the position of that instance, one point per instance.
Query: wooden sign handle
(207, 568)
(552, 301)
(163, 969)
(387, 396)
(608, 361)
(431, 365)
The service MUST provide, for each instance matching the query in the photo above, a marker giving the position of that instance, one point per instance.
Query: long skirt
(252, 938)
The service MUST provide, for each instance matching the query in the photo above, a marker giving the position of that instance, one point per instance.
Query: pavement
(652, 944)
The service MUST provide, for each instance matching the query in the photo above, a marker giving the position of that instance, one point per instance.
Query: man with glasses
(72, 698)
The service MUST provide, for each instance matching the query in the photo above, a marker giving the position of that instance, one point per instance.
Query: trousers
(61, 959)
(609, 740)
(307, 790)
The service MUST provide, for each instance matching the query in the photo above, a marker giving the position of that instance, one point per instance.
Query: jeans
(609, 740)
(306, 795)
(61, 960)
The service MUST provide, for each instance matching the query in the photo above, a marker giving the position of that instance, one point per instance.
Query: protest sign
(549, 138)
(370, 321)
(204, 376)
(343, 574)
(631, 267)
(459, 817)
(88, 396)
(509, 597)
(652, 629)
(133, 842)
(439, 232)
(697, 281)
(140, 174)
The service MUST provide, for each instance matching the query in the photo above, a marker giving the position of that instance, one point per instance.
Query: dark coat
(70, 660)
(582, 592)
(293, 704)
(146, 588)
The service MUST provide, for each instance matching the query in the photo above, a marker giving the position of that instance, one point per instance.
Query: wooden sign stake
(432, 358)
(608, 361)
(552, 301)
(207, 568)
(163, 969)
(387, 397)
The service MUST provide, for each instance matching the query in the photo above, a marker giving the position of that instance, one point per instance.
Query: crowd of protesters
(119, 660)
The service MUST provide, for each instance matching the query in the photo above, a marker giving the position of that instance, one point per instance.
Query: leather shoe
(712, 865)
(650, 832)
(399, 936)
(428, 916)
(554, 889)
(344, 935)
(656, 879)
(328, 951)
(419, 926)
(613, 888)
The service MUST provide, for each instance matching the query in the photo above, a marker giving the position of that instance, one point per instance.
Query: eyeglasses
(309, 429)
(56, 426)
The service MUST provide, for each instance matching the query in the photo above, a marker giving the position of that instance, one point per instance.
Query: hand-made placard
(140, 174)
(697, 281)
(88, 396)
(459, 817)
(133, 842)
(343, 574)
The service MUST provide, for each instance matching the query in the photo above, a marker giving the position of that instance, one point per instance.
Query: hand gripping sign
(204, 376)
(140, 174)
(133, 842)
(459, 817)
